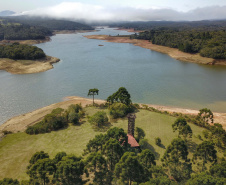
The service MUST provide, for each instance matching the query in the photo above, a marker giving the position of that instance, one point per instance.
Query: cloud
(93, 13)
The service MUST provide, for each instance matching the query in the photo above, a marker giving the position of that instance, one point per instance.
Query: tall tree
(206, 116)
(129, 169)
(175, 158)
(205, 152)
(183, 128)
(93, 92)
(97, 164)
(41, 171)
(147, 158)
(69, 170)
(113, 151)
(122, 96)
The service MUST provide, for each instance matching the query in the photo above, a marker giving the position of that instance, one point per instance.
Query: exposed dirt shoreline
(172, 52)
(20, 123)
(27, 66)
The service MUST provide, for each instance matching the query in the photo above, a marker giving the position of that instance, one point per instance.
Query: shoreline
(20, 123)
(27, 66)
(172, 52)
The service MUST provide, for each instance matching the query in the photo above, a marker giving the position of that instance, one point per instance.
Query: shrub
(118, 110)
(158, 141)
(98, 119)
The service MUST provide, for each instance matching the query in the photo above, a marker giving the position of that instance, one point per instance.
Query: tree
(113, 151)
(119, 135)
(206, 116)
(41, 170)
(175, 152)
(219, 170)
(139, 133)
(183, 128)
(93, 92)
(158, 141)
(218, 135)
(118, 110)
(9, 181)
(175, 158)
(69, 170)
(129, 169)
(98, 119)
(96, 144)
(122, 96)
(206, 153)
(97, 164)
(147, 158)
(205, 179)
(37, 156)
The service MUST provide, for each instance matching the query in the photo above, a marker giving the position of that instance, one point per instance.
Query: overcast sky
(120, 10)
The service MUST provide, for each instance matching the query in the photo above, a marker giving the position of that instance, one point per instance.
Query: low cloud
(94, 13)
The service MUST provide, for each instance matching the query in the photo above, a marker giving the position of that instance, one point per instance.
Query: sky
(120, 10)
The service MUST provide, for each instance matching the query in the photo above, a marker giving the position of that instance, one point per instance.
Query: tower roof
(132, 141)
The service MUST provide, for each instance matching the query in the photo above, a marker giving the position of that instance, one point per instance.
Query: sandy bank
(27, 66)
(20, 123)
(172, 52)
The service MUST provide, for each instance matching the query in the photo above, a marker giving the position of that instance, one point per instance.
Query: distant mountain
(6, 13)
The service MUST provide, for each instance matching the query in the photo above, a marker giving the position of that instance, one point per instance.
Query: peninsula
(27, 66)
(172, 52)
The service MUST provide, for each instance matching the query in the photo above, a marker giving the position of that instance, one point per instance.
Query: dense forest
(28, 28)
(210, 44)
(23, 32)
(51, 24)
(205, 37)
(20, 51)
(184, 25)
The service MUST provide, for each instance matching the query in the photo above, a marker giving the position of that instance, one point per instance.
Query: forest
(51, 24)
(23, 32)
(18, 51)
(205, 37)
(211, 44)
(27, 28)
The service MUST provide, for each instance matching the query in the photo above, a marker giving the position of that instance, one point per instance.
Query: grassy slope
(17, 149)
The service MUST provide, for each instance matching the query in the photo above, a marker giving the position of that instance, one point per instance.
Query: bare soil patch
(27, 66)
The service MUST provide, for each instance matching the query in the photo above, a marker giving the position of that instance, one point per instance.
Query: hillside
(73, 140)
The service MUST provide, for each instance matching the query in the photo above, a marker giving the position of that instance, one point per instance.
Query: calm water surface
(149, 76)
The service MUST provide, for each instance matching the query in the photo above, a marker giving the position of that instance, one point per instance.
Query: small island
(19, 58)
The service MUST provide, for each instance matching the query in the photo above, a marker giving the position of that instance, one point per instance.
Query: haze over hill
(6, 13)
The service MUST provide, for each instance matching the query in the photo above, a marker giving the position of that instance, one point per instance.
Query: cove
(149, 76)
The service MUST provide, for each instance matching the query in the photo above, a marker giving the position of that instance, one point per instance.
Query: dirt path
(20, 123)
(172, 52)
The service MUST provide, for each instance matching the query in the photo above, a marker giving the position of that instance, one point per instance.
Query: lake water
(149, 76)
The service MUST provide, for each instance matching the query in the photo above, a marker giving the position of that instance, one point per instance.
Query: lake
(149, 76)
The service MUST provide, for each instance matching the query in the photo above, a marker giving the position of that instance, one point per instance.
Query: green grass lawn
(17, 149)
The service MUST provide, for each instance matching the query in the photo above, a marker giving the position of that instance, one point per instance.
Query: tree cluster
(57, 119)
(23, 32)
(18, 51)
(209, 44)
(120, 103)
(50, 24)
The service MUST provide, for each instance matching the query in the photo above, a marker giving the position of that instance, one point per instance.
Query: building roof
(132, 141)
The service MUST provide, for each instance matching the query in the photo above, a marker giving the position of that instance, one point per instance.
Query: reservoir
(149, 76)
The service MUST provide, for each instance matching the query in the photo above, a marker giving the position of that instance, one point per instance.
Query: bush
(98, 119)
(118, 110)
(51, 122)
(158, 141)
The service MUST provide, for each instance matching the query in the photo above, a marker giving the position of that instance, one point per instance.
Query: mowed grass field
(17, 149)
